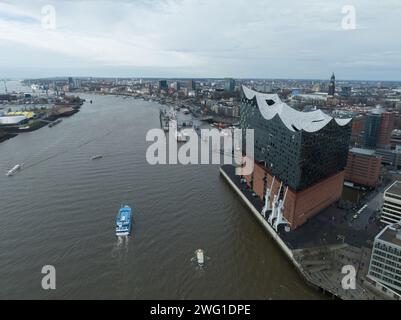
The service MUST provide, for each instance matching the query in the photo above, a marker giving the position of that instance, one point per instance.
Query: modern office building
(300, 154)
(390, 157)
(371, 130)
(332, 85)
(379, 125)
(346, 91)
(229, 85)
(391, 210)
(191, 85)
(163, 85)
(77, 84)
(363, 167)
(386, 128)
(385, 262)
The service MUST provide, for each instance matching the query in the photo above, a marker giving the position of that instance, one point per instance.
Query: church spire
(332, 85)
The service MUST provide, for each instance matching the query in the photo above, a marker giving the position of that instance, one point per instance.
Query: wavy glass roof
(271, 105)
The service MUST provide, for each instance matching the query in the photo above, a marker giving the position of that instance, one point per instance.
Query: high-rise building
(386, 128)
(229, 85)
(77, 83)
(163, 85)
(332, 85)
(363, 167)
(175, 85)
(304, 153)
(385, 262)
(191, 85)
(379, 125)
(391, 210)
(371, 130)
(345, 91)
(71, 82)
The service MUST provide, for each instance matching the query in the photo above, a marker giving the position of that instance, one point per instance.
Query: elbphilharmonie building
(299, 156)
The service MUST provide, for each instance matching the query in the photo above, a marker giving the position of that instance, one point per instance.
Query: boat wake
(199, 260)
(120, 247)
(64, 151)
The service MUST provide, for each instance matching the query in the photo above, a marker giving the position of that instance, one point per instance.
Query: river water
(60, 210)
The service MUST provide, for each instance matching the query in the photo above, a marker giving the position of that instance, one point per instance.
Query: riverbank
(194, 107)
(6, 135)
(46, 116)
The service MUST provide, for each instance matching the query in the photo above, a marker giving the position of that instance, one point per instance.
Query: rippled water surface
(60, 210)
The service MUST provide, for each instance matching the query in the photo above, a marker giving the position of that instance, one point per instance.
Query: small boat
(123, 221)
(97, 157)
(181, 137)
(200, 257)
(14, 170)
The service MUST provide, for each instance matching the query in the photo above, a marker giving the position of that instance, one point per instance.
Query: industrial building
(12, 120)
(300, 156)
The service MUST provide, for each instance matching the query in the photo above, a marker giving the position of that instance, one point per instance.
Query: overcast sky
(201, 38)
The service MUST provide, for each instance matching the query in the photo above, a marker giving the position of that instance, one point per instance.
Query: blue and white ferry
(124, 221)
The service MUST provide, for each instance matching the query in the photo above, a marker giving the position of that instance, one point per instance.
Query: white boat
(181, 137)
(200, 257)
(185, 111)
(14, 170)
(97, 157)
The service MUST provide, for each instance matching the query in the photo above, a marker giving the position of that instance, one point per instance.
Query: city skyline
(192, 39)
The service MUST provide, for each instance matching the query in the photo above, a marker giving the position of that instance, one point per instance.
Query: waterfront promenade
(319, 249)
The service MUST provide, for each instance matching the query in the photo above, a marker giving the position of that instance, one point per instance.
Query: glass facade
(385, 264)
(229, 85)
(298, 158)
(372, 127)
